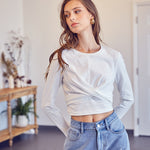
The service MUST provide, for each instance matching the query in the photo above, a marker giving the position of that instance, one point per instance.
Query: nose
(72, 17)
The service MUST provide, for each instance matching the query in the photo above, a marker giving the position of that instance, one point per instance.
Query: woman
(87, 70)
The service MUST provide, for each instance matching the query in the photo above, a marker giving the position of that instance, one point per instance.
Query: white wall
(10, 16)
(11, 19)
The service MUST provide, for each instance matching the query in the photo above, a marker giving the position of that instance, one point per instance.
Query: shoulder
(66, 51)
(67, 54)
(110, 51)
(113, 53)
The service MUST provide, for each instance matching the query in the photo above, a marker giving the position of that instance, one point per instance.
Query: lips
(74, 24)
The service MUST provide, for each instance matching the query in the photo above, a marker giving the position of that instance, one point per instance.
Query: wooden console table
(8, 94)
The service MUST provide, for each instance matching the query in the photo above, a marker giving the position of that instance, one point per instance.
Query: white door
(144, 68)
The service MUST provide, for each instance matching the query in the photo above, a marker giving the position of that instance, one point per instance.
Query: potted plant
(21, 111)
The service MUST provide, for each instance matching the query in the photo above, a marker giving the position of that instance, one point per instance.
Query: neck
(87, 42)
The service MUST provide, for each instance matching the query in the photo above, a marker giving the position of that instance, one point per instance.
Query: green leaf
(23, 109)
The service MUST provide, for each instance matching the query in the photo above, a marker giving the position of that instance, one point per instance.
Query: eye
(77, 11)
(66, 15)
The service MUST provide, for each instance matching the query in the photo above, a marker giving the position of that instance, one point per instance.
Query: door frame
(135, 5)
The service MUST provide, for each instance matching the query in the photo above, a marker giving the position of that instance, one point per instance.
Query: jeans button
(98, 125)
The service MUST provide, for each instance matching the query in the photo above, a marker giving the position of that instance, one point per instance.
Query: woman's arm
(124, 88)
(52, 84)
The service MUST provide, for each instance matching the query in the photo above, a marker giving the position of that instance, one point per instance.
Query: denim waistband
(93, 125)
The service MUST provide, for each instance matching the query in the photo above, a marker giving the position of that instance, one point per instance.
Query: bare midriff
(92, 118)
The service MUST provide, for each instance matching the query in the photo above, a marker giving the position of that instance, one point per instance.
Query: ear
(91, 16)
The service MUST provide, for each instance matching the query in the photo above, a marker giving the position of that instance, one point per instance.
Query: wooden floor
(50, 138)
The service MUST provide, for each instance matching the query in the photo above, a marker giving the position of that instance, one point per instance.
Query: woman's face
(77, 16)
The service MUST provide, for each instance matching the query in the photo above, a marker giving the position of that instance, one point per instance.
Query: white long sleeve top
(88, 84)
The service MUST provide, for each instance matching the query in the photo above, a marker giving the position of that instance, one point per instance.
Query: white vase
(1, 77)
(11, 81)
(18, 83)
(21, 121)
(24, 82)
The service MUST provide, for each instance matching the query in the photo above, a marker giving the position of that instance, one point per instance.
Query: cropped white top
(88, 84)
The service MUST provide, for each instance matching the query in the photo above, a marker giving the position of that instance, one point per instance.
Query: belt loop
(82, 128)
(106, 123)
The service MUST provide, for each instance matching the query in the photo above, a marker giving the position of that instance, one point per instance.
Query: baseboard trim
(42, 127)
(130, 131)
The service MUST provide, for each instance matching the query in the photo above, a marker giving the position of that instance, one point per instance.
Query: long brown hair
(68, 39)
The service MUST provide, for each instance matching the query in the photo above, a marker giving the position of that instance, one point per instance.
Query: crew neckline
(93, 53)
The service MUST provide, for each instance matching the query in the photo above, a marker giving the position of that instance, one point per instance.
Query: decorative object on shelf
(11, 81)
(14, 46)
(22, 121)
(18, 82)
(12, 61)
(22, 81)
(10, 67)
(21, 111)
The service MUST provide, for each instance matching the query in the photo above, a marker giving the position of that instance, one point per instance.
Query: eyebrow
(73, 9)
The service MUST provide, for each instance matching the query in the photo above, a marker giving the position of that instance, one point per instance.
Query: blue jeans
(107, 134)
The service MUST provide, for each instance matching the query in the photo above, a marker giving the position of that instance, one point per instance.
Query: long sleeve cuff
(56, 116)
(124, 106)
